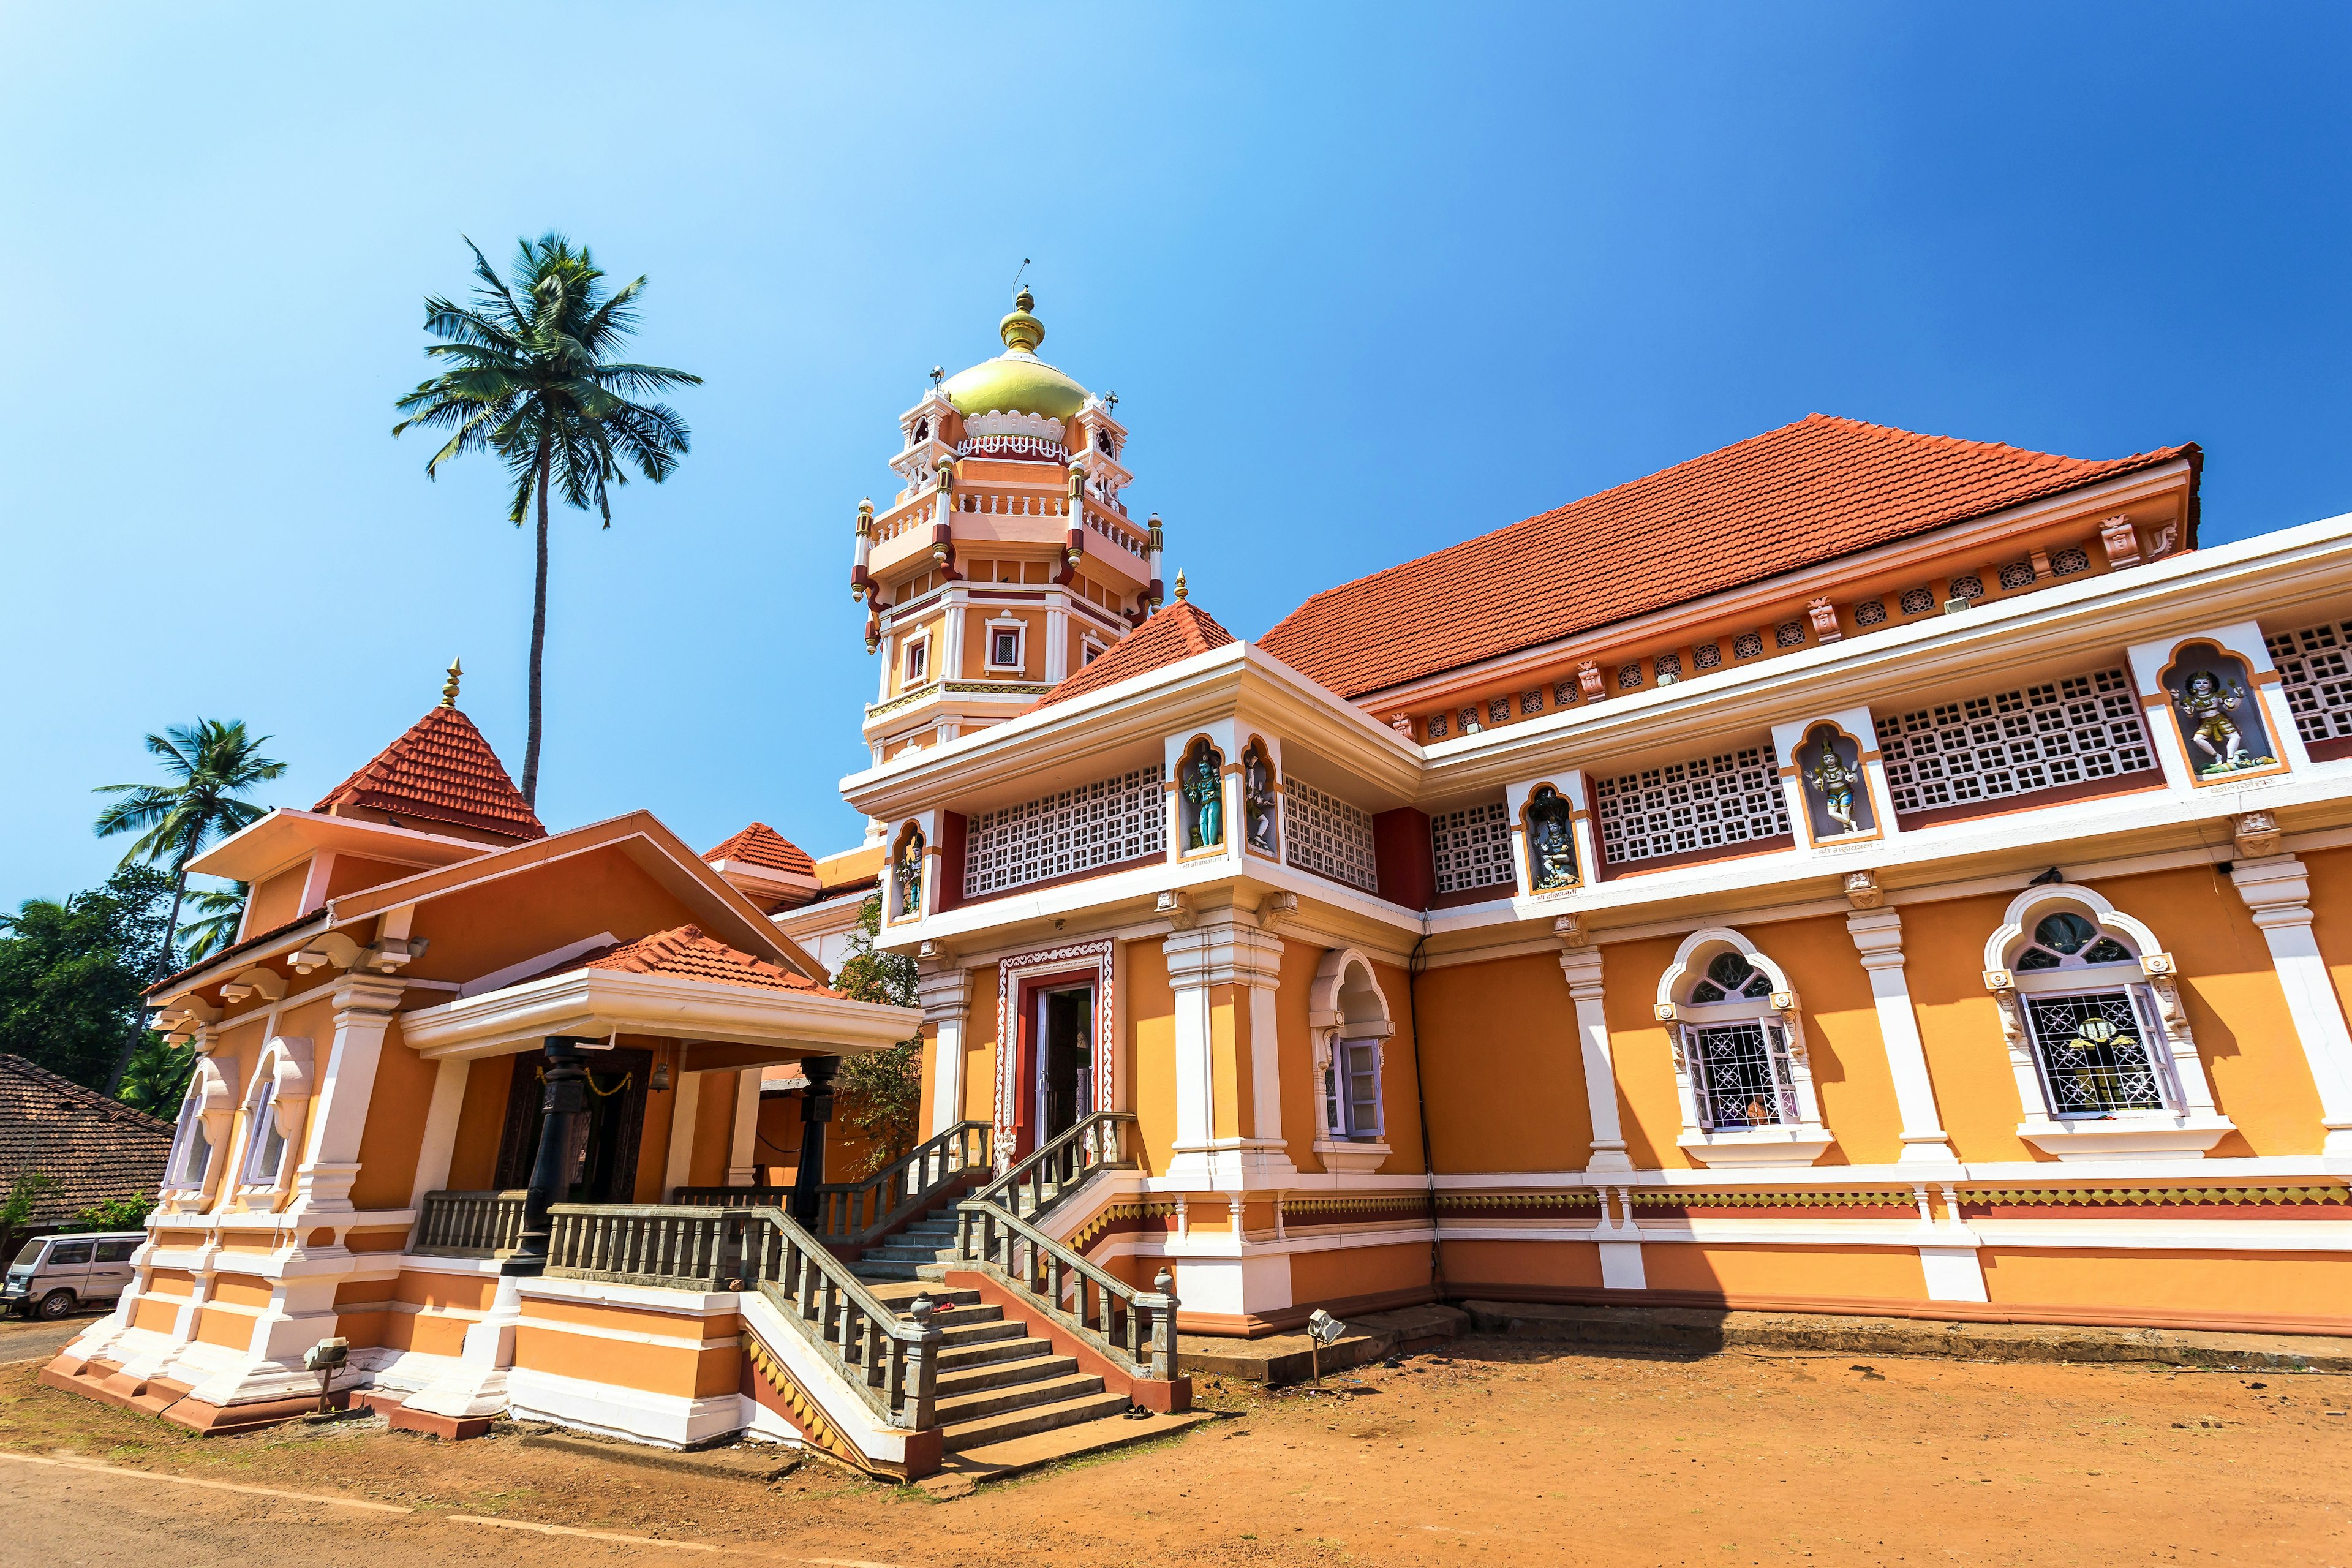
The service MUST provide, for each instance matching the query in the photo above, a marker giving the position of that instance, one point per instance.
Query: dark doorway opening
(601, 1166)
(1066, 1026)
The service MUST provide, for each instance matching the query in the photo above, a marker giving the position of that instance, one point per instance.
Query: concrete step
(904, 1252)
(968, 1466)
(1023, 1421)
(988, 1402)
(1013, 1346)
(901, 1294)
(1040, 1366)
(885, 1272)
(968, 1325)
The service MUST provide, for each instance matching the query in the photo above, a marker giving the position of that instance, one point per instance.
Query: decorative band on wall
(802, 1410)
(2037, 1197)
(1313, 1212)
(1010, 973)
(1122, 1218)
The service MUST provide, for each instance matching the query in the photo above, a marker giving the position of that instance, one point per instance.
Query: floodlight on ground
(324, 1358)
(1322, 1329)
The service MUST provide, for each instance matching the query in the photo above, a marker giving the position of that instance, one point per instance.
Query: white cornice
(598, 1003)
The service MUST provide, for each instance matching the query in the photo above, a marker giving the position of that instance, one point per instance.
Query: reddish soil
(1505, 1453)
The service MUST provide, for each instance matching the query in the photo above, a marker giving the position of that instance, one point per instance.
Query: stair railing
(1034, 1184)
(1135, 1326)
(859, 1212)
(891, 1361)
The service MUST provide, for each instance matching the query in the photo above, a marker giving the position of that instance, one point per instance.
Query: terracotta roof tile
(1179, 631)
(760, 844)
(443, 771)
(688, 954)
(93, 1147)
(1807, 492)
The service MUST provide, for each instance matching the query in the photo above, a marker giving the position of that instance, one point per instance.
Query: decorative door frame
(1010, 975)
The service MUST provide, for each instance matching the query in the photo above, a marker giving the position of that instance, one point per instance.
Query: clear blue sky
(1368, 280)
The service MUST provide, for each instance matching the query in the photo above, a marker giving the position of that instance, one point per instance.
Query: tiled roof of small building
(1179, 631)
(688, 954)
(443, 771)
(760, 844)
(93, 1147)
(1807, 492)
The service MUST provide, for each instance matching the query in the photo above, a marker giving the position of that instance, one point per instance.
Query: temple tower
(1008, 560)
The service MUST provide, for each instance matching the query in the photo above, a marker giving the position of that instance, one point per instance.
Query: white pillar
(2277, 890)
(946, 996)
(1057, 642)
(678, 1169)
(363, 1011)
(440, 1129)
(1581, 965)
(1226, 951)
(740, 1152)
(1878, 937)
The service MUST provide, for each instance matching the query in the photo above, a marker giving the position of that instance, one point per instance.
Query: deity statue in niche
(1552, 842)
(1258, 800)
(1204, 788)
(2220, 722)
(910, 877)
(1834, 775)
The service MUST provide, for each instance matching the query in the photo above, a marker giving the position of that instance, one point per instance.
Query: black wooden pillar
(564, 1103)
(816, 1110)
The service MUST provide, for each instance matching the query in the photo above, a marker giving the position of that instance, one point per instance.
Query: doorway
(1066, 1058)
(601, 1166)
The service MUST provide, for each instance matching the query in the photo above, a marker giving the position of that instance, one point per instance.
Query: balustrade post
(1163, 1328)
(923, 1373)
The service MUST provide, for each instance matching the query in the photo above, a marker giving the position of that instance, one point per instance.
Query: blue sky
(1367, 280)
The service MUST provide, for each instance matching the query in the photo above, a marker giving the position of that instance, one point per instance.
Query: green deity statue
(1205, 788)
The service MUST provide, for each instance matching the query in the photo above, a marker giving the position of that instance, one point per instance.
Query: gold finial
(1180, 590)
(449, 689)
(1021, 331)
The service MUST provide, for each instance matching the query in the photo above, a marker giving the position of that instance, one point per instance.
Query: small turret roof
(441, 769)
(1179, 631)
(760, 844)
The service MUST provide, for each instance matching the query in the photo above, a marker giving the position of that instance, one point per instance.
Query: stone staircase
(925, 1249)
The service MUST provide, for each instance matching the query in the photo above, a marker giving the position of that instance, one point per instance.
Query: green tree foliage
(24, 1196)
(530, 377)
(217, 911)
(70, 975)
(115, 1213)
(157, 1079)
(212, 766)
(881, 1092)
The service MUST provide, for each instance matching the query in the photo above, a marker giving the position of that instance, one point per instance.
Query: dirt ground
(1498, 1452)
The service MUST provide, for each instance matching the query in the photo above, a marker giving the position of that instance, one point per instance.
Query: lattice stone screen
(2015, 742)
(1099, 823)
(1707, 803)
(1472, 847)
(1330, 837)
(2317, 679)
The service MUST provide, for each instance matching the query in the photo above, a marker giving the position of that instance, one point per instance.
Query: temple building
(1852, 871)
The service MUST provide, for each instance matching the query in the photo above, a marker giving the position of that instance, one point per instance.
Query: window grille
(2094, 1053)
(1530, 701)
(2317, 679)
(1917, 601)
(1078, 829)
(1471, 847)
(1437, 726)
(1707, 803)
(1330, 837)
(1670, 664)
(1707, 656)
(1869, 612)
(1969, 587)
(1789, 634)
(1629, 676)
(2014, 742)
(1563, 692)
(1741, 1075)
(2067, 563)
(1746, 644)
(2017, 575)
(1499, 709)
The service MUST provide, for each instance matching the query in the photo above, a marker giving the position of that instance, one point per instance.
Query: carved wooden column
(2277, 890)
(816, 1110)
(564, 1102)
(1878, 936)
(1582, 966)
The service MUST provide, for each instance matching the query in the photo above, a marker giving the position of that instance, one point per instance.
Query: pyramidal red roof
(1807, 492)
(760, 844)
(1179, 631)
(443, 770)
(688, 954)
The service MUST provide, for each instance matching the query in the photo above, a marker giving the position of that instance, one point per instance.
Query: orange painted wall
(1649, 1108)
(1400, 1090)
(350, 874)
(1848, 1052)
(1959, 1026)
(273, 899)
(979, 1048)
(1887, 1273)
(1150, 1009)
(2330, 873)
(1358, 1271)
(1505, 1073)
(714, 1131)
(473, 1162)
(2228, 1285)
(1299, 1088)
(535, 911)
(1563, 1265)
(396, 1125)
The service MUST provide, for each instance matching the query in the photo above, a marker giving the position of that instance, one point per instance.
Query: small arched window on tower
(922, 432)
(1102, 444)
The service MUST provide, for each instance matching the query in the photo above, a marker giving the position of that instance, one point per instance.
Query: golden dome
(1016, 380)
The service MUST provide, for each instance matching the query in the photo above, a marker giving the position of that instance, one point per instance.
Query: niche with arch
(277, 1108)
(1200, 798)
(1831, 776)
(1261, 801)
(2217, 706)
(1548, 823)
(1348, 1019)
(907, 875)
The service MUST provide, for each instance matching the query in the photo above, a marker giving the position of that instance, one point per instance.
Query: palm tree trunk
(162, 967)
(538, 633)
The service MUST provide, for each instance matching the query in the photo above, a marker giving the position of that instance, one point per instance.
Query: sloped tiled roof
(1807, 492)
(93, 1147)
(1179, 631)
(760, 844)
(688, 954)
(443, 771)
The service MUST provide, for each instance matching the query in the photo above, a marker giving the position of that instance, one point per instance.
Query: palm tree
(216, 913)
(214, 763)
(530, 380)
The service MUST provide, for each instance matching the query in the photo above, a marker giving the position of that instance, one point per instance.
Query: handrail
(1098, 1140)
(1056, 1281)
(891, 1361)
(467, 1225)
(857, 1213)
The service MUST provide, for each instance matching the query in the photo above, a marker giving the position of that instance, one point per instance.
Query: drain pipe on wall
(1413, 966)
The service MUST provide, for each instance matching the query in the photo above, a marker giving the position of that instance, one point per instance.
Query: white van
(56, 1274)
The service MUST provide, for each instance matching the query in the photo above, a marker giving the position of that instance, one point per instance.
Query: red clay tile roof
(93, 1147)
(688, 954)
(1807, 492)
(760, 844)
(1179, 631)
(441, 769)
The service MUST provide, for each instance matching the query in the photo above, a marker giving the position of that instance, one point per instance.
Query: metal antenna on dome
(1016, 276)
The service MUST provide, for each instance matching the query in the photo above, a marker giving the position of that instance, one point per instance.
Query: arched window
(1347, 1015)
(275, 1107)
(1741, 1063)
(205, 1119)
(922, 433)
(2098, 1037)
